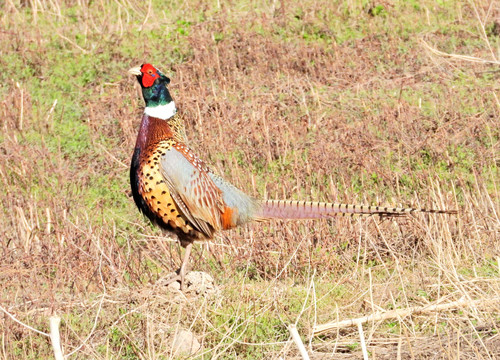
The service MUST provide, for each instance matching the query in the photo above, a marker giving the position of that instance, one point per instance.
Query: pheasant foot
(181, 273)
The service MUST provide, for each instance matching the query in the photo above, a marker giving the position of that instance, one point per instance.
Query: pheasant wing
(192, 189)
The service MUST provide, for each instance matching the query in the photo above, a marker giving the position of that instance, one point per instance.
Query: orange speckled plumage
(155, 192)
(173, 186)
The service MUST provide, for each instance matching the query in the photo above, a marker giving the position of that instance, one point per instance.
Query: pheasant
(178, 192)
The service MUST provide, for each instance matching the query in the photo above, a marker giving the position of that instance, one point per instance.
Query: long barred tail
(288, 209)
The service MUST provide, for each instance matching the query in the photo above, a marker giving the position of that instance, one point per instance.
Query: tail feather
(289, 209)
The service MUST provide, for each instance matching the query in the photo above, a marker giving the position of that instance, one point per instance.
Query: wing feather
(192, 189)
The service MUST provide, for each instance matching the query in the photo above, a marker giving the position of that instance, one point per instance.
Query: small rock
(185, 343)
(196, 282)
(175, 286)
(200, 282)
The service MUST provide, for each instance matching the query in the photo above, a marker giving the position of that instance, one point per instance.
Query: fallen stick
(55, 337)
(298, 341)
(363, 342)
(400, 313)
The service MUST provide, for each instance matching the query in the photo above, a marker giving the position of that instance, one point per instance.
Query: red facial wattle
(149, 75)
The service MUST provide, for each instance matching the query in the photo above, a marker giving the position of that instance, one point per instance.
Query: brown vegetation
(284, 103)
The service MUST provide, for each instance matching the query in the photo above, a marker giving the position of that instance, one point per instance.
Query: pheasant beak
(135, 71)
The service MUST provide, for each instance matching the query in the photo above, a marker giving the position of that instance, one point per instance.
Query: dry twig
(55, 337)
(298, 341)
(400, 313)
(458, 56)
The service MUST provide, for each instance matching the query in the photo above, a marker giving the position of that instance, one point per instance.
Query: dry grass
(321, 101)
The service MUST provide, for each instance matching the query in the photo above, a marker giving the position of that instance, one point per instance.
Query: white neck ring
(163, 112)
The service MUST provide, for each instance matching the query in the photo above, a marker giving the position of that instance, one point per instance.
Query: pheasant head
(154, 83)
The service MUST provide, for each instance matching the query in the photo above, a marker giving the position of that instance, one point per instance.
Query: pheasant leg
(181, 273)
(185, 260)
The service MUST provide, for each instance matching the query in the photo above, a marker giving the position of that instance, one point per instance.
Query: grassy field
(357, 101)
